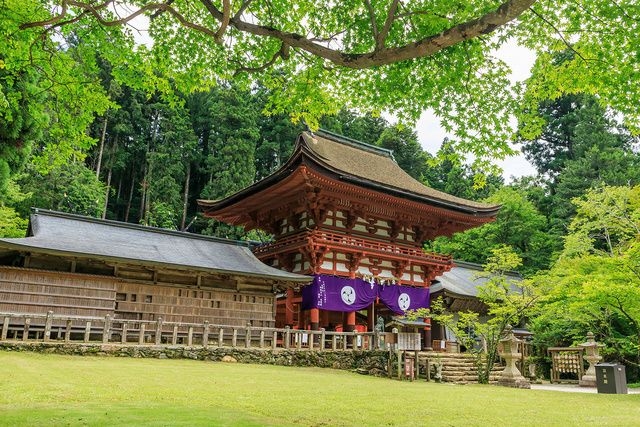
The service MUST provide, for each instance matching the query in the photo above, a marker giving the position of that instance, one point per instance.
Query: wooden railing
(78, 329)
(350, 242)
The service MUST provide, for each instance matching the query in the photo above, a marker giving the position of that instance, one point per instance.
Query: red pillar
(315, 319)
(324, 316)
(350, 325)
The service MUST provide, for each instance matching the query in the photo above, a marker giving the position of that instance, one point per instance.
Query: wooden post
(427, 335)
(298, 339)
(322, 338)
(345, 340)
(220, 337)
(5, 328)
(314, 314)
(27, 323)
(262, 338)
(334, 342)
(174, 336)
(399, 354)
(47, 326)
(417, 365)
(190, 336)
(234, 338)
(123, 336)
(106, 329)
(349, 325)
(274, 342)
(159, 331)
(247, 336)
(87, 331)
(205, 334)
(311, 338)
(67, 331)
(287, 337)
(141, 333)
(355, 341)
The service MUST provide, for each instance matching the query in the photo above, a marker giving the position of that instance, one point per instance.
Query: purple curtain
(402, 298)
(338, 294)
(341, 294)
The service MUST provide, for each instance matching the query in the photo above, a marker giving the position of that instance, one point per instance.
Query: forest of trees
(79, 134)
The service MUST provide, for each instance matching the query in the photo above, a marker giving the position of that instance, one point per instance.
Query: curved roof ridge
(354, 143)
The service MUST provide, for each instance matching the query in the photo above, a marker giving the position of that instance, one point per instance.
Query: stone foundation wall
(370, 362)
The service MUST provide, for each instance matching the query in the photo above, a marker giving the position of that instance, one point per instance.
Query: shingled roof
(64, 234)
(464, 279)
(363, 163)
(360, 164)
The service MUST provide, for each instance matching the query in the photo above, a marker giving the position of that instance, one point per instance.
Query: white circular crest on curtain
(348, 295)
(404, 301)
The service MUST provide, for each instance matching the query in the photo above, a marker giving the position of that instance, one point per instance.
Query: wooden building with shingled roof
(80, 266)
(346, 213)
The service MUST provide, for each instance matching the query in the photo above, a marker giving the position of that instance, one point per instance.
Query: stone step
(459, 363)
(459, 368)
(457, 378)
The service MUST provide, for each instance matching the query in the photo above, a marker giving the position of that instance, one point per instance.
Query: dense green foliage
(402, 57)
(581, 145)
(595, 284)
(519, 225)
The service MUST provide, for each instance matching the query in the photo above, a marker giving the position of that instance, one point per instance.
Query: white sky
(431, 134)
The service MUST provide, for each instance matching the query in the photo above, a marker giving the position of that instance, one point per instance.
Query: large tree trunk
(143, 197)
(185, 199)
(106, 196)
(102, 139)
(119, 192)
(146, 199)
(132, 187)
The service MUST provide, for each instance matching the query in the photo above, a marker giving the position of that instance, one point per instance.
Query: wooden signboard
(409, 341)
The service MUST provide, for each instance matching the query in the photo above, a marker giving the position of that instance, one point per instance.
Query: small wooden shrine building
(459, 288)
(346, 213)
(79, 266)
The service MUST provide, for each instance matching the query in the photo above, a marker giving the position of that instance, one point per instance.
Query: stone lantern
(592, 356)
(508, 350)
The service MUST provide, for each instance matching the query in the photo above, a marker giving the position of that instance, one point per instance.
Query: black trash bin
(611, 378)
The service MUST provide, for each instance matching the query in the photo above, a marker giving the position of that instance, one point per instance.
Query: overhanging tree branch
(224, 23)
(427, 46)
(380, 55)
(559, 33)
(372, 17)
(382, 36)
(283, 53)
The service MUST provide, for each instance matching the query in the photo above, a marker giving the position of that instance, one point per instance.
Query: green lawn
(37, 389)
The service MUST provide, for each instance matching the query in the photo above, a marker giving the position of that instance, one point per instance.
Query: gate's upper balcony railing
(350, 244)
